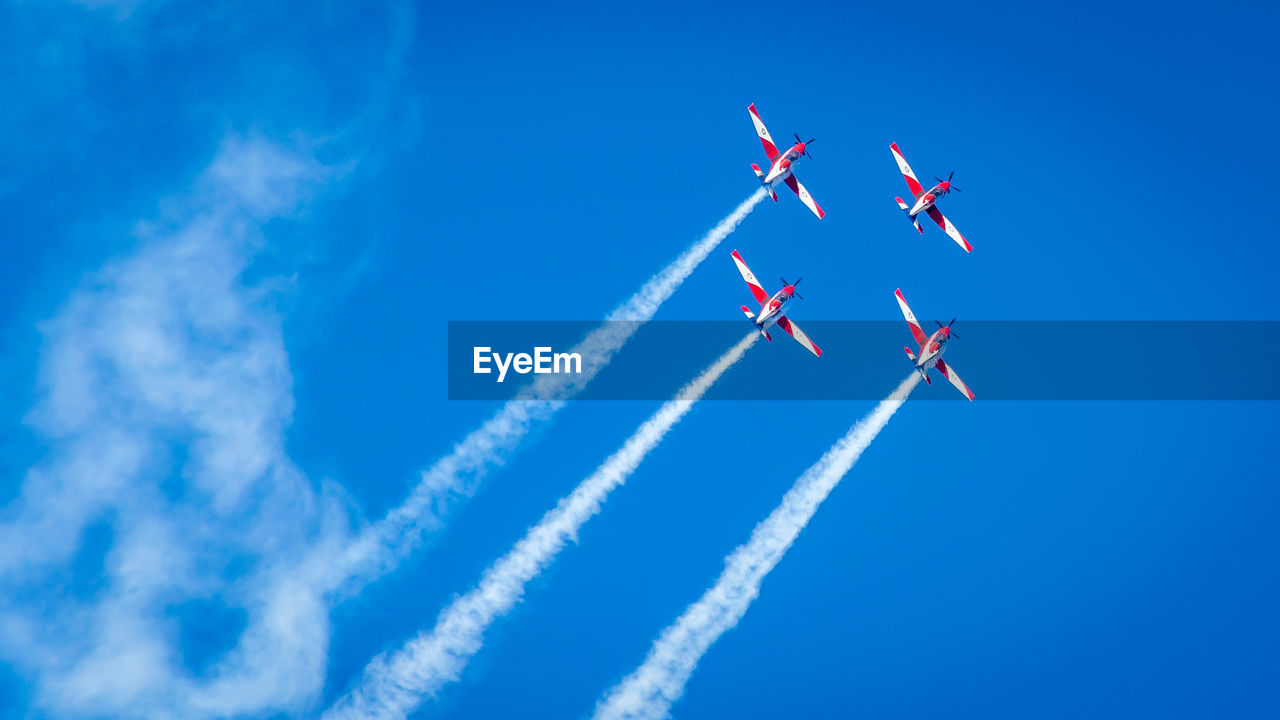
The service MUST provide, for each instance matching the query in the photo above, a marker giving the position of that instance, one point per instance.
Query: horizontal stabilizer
(907, 209)
(748, 312)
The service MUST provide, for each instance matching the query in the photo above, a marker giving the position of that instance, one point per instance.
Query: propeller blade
(810, 140)
(797, 136)
(784, 281)
(953, 174)
(797, 296)
(953, 322)
(935, 177)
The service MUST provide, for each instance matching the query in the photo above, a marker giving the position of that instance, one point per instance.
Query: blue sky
(236, 236)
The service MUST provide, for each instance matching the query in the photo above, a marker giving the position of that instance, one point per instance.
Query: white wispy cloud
(649, 692)
(392, 687)
(458, 474)
(165, 392)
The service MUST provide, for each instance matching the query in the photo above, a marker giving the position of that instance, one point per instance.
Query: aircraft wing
(951, 375)
(794, 331)
(804, 195)
(769, 148)
(750, 277)
(950, 229)
(907, 174)
(916, 330)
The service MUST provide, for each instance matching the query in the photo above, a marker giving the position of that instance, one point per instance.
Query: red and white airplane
(931, 348)
(782, 164)
(925, 199)
(773, 309)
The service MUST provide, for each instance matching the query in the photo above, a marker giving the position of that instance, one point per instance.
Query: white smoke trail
(649, 691)
(392, 688)
(458, 474)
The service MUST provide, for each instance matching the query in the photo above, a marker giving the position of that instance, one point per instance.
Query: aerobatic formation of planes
(773, 309)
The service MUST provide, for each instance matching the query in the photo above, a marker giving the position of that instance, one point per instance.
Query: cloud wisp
(457, 475)
(649, 692)
(392, 687)
(165, 495)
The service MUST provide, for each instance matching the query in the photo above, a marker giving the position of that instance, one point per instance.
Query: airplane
(924, 200)
(772, 309)
(781, 164)
(931, 349)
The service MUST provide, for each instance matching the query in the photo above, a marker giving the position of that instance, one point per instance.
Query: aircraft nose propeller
(950, 187)
(948, 327)
(793, 285)
(805, 143)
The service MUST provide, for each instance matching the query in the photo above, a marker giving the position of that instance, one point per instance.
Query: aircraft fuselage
(926, 200)
(932, 349)
(783, 165)
(772, 310)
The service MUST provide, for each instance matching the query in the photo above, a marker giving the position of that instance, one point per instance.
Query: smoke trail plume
(649, 691)
(458, 474)
(393, 687)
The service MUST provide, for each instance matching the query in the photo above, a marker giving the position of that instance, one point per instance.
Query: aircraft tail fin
(910, 354)
(765, 333)
(747, 310)
(760, 175)
(925, 374)
(906, 209)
